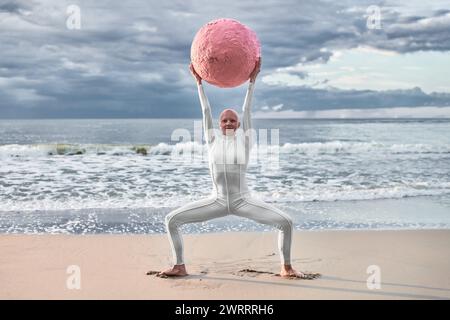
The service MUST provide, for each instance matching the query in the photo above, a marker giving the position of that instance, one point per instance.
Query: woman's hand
(195, 74)
(256, 70)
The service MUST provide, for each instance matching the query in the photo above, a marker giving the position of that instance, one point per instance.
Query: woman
(228, 160)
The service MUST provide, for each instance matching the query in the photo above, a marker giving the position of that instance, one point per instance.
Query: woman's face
(229, 121)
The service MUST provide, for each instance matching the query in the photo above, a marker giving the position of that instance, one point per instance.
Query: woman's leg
(197, 211)
(265, 213)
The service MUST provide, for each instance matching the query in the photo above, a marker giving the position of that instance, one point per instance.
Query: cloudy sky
(130, 59)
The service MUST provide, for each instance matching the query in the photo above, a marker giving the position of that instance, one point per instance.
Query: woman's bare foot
(178, 270)
(288, 272)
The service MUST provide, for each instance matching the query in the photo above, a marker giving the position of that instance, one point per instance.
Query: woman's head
(229, 121)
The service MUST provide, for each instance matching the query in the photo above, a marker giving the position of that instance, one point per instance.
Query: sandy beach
(412, 265)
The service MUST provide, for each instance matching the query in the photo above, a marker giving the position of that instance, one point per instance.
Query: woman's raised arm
(247, 106)
(208, 127)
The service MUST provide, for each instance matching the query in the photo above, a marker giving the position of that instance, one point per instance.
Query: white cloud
(143, 27)
(19, 81)
(423, 25)
(150, 77)
(277, 107)
(88, 69)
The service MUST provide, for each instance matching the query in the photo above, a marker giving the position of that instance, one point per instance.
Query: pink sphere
(224, 52)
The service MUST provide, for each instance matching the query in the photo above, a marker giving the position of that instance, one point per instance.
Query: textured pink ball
(224, 52)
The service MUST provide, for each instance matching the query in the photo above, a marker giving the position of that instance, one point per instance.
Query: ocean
(82, 176)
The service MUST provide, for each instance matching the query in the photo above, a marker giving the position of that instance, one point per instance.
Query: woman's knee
(285, 223)
(283, 220)
(171, 221)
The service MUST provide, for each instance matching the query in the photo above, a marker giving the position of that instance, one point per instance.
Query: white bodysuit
(228, 160)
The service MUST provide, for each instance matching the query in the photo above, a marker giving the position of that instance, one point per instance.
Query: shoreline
(159, 234)
(376, 214)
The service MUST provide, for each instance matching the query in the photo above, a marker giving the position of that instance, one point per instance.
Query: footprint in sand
(254, 273)
(156, 273)
(191, 281)
(151, 272)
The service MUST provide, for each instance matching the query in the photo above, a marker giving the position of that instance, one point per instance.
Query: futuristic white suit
(228, 160)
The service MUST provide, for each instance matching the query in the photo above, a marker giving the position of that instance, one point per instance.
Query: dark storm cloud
(130, 59)
(17, 7)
